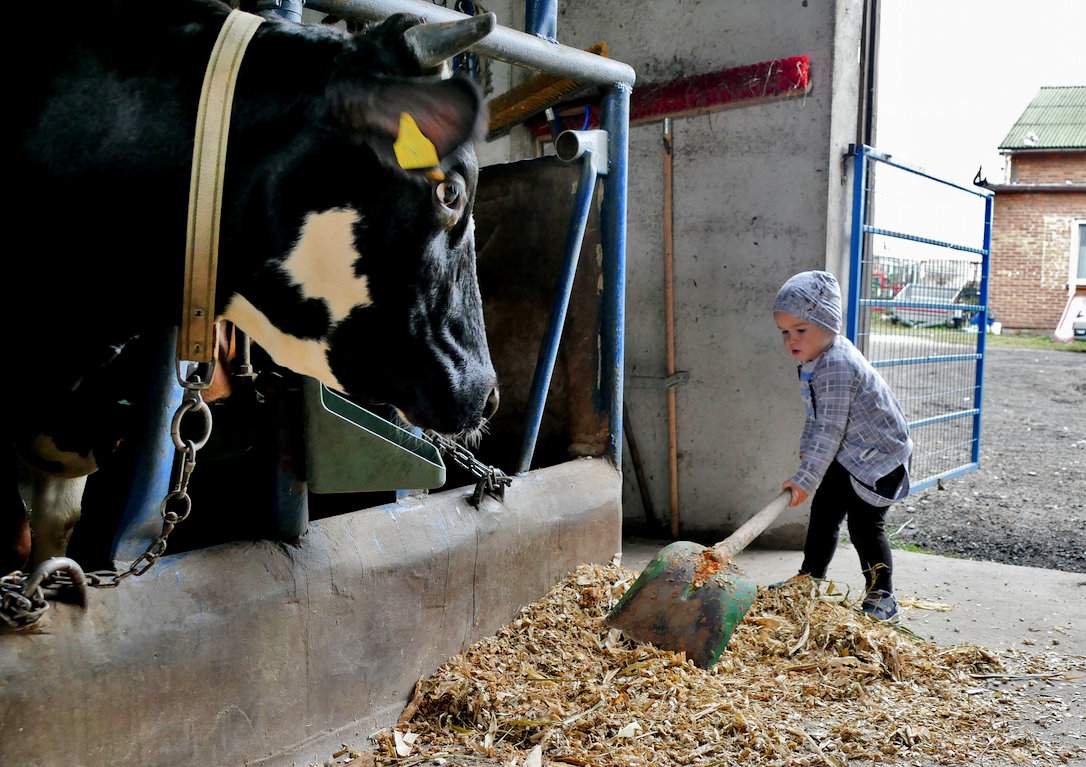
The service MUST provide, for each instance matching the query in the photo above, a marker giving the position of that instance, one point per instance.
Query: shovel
(691, 597)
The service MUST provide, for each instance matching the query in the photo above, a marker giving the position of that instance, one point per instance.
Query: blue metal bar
(291, 10)
(930, 481)
(923, 360)
(541, 18)
(878, 156)
(943, 417)
(925, 240)
(613, 312)
(153, 456)
(922, 305)
(856, 244)
(548, 350)
(982, 329)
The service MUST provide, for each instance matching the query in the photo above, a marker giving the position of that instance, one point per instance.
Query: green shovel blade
(664, 606)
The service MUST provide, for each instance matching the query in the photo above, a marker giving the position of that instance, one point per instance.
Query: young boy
(855, 446)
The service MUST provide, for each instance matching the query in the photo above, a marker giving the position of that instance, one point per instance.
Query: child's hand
(799, 495)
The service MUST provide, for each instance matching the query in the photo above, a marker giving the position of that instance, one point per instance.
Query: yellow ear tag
(413, 150)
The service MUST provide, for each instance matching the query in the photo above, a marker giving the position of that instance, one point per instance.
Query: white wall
(759, 195)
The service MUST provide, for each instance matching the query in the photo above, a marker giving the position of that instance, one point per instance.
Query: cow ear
(413, 124)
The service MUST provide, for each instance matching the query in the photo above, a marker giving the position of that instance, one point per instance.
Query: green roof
(1055, 119)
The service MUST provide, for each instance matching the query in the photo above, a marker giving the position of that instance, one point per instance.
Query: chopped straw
(806, 680)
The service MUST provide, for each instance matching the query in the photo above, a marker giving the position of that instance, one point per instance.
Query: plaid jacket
(852, 417)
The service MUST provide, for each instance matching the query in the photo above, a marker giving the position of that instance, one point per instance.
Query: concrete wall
(270, 654)
(759, 195)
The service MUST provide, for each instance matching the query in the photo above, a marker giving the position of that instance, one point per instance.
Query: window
(1078, 254)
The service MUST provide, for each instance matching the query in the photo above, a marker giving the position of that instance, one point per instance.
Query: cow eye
(448, 192)
(450, 199)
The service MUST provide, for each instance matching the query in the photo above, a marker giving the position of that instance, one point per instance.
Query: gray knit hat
(812, 296)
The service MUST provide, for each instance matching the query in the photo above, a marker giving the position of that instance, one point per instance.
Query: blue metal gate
(918, 303)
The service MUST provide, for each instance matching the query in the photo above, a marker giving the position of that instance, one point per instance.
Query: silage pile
(806, 680)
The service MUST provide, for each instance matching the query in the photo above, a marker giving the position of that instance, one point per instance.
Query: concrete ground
(1001, 607)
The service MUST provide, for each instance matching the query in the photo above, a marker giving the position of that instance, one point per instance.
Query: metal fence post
(548, 349)
(541, 18)
(613, 313)
(982, 326)
(856, 244)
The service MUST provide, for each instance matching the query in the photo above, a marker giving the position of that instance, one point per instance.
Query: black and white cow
(338, 262)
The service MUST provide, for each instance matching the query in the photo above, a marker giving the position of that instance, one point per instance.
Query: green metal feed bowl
(349, 449)
(665, 608)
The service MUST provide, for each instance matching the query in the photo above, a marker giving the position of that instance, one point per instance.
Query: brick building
(1039, 228)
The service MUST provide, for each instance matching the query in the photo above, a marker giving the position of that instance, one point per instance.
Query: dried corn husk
(806, 680)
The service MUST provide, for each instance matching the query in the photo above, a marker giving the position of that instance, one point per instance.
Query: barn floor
(1027, 616)
(1013, 610)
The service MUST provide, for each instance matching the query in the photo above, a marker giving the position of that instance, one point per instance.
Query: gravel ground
(1026, 505)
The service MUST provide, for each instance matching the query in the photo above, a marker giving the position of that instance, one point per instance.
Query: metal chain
(491, 480)
(177, 504)
(19, 606)
(23, 596)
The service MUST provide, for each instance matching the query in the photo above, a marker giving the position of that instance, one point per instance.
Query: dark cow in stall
(339, 263)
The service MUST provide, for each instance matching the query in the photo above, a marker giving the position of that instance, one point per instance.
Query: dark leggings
(834, 500)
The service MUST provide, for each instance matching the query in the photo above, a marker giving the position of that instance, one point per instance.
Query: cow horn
(434, 43)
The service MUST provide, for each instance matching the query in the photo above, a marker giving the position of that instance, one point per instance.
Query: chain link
(17, 609)
(490, 480)
(23, 597)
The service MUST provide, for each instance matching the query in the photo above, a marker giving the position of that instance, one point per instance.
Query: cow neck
(197, 335)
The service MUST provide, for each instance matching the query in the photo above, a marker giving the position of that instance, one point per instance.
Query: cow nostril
(491, 406)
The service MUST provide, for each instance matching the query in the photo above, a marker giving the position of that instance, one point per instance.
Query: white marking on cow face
(45, 450)
(302, 355)
(322, 262)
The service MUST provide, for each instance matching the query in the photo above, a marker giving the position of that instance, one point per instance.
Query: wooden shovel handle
(752, 528)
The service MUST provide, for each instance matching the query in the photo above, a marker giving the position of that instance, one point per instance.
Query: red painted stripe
(699, 93)
(715, 89)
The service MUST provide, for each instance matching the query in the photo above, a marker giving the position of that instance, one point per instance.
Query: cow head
(366, 209)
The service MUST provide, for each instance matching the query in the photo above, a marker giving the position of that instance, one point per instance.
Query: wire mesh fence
(917, 312)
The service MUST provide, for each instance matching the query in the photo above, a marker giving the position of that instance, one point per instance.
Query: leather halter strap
(196, 341)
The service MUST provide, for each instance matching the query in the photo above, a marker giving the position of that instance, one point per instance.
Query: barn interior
(734, 133)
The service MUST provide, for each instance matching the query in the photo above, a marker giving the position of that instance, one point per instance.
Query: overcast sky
(955, 75)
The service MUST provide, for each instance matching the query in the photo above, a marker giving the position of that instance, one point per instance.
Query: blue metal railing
(541, 18)
(982, 326)
(617, 123)
(548, 350)
(925, 360)
(924, 348)
(924, 240)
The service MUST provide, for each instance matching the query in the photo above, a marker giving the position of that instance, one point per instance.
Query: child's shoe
(881, 606)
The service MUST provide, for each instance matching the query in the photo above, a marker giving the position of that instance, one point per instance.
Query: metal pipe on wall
(669, 324)
(503, 43)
